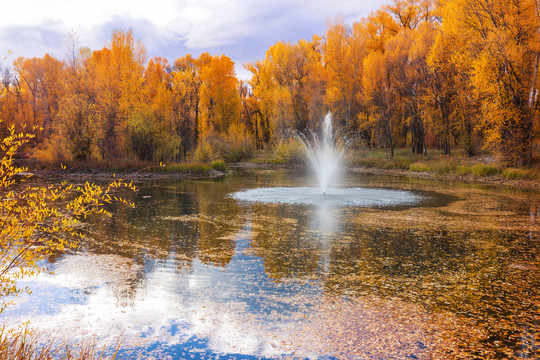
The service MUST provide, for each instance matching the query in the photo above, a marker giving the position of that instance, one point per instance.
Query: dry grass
(456, 164)
(25, 344)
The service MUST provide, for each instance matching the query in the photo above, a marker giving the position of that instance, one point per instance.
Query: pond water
(199, 271)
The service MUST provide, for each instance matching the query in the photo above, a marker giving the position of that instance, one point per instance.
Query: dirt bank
(135, 176)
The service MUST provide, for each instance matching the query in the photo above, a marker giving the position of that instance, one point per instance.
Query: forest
(416, 74)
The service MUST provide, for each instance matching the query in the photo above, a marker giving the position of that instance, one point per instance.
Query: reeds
(26, 344)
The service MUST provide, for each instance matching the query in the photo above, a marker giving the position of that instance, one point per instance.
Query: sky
(241, 29)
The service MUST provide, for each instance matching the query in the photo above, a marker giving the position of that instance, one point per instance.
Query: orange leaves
(219, 102)
(498, 53)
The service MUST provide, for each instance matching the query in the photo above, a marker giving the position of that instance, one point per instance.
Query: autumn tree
(344, 50)
(441, 94)
(261, 101)
(290, 85)
(10, 100)
(380, 93)
(186, 82)
(498, 47)
(151, 129)
(117, 75)
(381, 99)
(219, 101)
(80, 128)
(40, 84)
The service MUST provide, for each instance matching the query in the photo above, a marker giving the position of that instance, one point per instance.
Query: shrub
(236, 153)
(53, 151)
(219, 165)
(289, 152)
(443, 168)
(204, 152)
(395, 163)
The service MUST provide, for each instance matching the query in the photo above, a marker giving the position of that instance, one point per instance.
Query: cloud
(242, 29)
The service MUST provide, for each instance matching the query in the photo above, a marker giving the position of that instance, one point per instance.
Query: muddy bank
(135, 176)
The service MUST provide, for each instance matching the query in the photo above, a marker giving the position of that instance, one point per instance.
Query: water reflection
(191, 272)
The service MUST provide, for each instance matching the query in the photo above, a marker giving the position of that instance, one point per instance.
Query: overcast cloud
(241, 29)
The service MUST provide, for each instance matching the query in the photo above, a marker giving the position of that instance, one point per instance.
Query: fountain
(325, 159)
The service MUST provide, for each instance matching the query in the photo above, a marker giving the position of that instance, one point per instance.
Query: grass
(532, 173)
(485, 170)
(433, 162)
(24, 344)
(219, 165)
(122, 165)
(419, 167)
(191, 168)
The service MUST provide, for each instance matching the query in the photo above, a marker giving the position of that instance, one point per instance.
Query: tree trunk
(445, 148)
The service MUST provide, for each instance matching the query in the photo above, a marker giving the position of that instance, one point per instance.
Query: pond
(199, 270)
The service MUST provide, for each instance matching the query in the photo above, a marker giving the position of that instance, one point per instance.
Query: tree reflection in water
(454, 279)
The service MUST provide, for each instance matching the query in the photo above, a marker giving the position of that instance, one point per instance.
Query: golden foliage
(40, 220)
(415, 72)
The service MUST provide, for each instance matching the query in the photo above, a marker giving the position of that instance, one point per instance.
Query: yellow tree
(380, 98)
(290, 85)
(499, 48)
(186, 83)
(117, 75)
(441, 94)
(410, 13)
(262, 101)
(344, 50)
(286, 90)
(410, 49)
(40, 80)
(380, 27)
(10, 101)
(219, 102)
(152, 131)
(380, 94)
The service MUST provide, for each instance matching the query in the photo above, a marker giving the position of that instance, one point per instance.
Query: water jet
(324, 156)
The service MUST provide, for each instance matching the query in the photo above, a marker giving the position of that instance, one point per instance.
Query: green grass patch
(518, 173)
(395, 163)
(419, 167)
(191, 168)
(443, 167)
(484, 170)
(513, 173)
(464, 170)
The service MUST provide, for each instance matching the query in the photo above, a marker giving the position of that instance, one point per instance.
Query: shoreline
(141, 176)
(135, 176)
(522, 184)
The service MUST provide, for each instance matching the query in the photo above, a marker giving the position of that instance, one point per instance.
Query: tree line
(417, 73)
